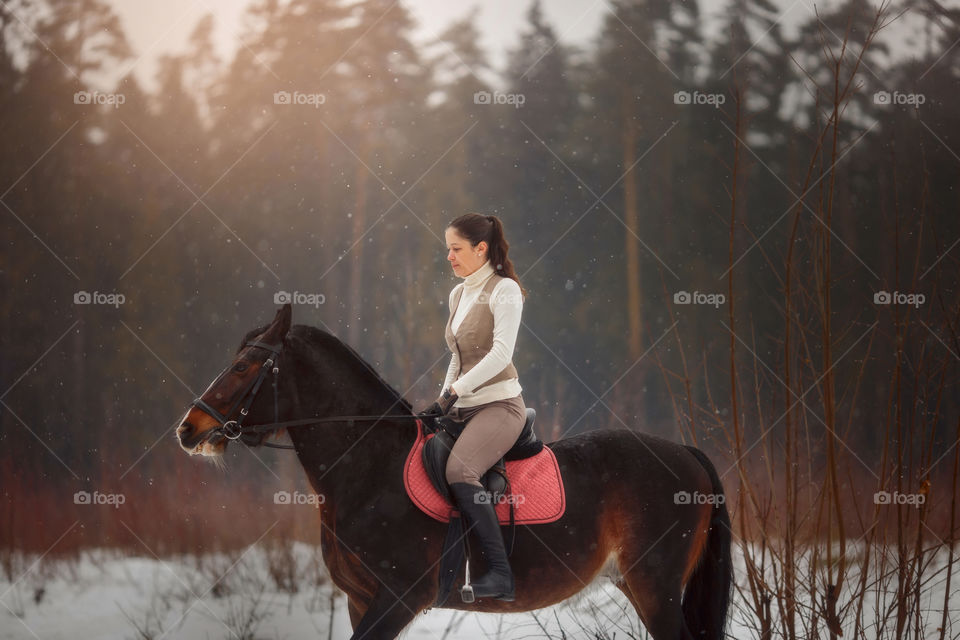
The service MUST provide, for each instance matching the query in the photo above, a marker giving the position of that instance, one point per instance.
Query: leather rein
(233, 428)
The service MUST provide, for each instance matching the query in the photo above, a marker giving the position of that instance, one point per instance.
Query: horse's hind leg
(656, 602)
(356, 609)
(388, 612)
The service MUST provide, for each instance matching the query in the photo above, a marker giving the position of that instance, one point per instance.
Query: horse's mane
(324, 339)
(332, 344)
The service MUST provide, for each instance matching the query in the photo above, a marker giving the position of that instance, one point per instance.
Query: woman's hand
(446, 400)
(433, 411)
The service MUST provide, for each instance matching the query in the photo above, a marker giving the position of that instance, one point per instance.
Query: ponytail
(478, 228)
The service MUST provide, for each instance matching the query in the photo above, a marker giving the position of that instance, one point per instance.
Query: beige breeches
(491, 430)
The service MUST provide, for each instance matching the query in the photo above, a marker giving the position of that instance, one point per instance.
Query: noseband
(233, 428)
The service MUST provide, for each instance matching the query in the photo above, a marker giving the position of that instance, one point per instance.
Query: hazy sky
(155, 27)
(158, 27)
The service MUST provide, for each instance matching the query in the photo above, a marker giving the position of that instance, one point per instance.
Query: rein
(234, 429)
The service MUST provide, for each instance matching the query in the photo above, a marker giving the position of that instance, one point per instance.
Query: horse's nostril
(185, 430)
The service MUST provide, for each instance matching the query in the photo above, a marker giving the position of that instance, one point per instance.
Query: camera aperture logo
(97, 498)
(686, 497)
(296, 498)
(311, 99)
(898, 297)
(95, 97)
(685, 297)
(298, 297)
(496, 97)
(97, 297)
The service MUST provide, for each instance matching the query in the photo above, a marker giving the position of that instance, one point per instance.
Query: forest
(736, 231)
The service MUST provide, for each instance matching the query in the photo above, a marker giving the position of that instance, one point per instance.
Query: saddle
(446, 430)
(435, 454)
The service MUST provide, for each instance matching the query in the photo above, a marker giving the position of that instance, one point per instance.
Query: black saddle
(436, 452)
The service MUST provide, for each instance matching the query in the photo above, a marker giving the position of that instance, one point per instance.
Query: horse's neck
(333, 453)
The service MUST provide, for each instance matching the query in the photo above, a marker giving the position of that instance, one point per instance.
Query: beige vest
(474, 336)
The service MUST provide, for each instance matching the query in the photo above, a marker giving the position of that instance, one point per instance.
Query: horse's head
(241, 394)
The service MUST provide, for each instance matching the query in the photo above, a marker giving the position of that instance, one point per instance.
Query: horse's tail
(707, 594)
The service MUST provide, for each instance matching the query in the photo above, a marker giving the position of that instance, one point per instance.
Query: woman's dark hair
(478, 228)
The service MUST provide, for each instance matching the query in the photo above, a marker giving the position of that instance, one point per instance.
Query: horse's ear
(278, 329)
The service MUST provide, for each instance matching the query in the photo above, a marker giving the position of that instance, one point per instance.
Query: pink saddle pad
(536, 487)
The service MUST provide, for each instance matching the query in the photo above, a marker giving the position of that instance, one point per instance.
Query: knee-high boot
(475, 505)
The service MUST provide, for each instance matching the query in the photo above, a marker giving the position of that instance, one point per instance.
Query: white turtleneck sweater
(506, 303)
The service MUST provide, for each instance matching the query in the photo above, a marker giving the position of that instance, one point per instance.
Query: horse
(628, 506)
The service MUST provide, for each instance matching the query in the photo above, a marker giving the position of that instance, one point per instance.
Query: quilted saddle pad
(536, 487)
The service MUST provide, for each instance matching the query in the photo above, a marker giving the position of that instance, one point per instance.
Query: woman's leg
(490, 432)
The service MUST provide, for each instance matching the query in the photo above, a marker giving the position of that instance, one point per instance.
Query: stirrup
(466, 591)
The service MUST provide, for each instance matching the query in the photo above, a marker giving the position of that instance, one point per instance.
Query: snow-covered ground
(269, 593)
(106, 595)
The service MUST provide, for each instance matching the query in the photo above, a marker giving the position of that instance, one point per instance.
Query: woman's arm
(451, 372)
(454, 367)
(506, 303)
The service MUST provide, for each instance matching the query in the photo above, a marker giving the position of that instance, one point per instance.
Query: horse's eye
(240, 367)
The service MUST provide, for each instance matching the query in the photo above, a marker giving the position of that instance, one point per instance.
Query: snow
(104, 594)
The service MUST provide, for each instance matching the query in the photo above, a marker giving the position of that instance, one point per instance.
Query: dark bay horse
(634, 502)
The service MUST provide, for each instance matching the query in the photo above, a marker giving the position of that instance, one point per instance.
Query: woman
(481, 387)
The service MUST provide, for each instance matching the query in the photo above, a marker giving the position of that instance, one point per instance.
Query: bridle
(233, 428)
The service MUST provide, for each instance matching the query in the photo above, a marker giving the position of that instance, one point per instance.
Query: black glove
(433, 411)
(445, 401)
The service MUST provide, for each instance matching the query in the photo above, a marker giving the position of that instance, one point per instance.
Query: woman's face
(464, 258)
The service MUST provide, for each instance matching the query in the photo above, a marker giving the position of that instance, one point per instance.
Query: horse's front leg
(390, 610)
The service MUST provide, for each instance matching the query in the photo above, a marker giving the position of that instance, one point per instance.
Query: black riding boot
(474, 504)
